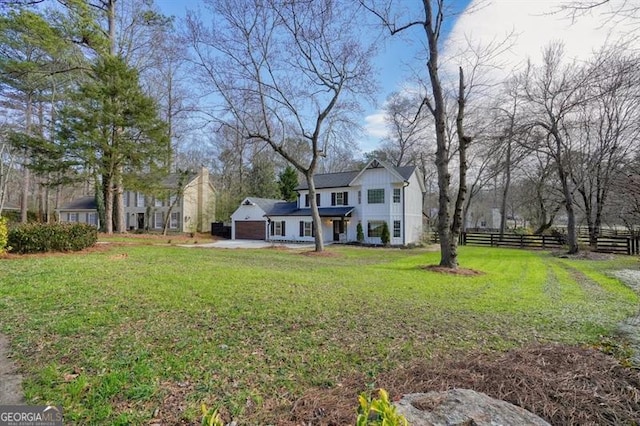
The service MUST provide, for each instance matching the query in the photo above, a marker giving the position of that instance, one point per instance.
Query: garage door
(250, 230)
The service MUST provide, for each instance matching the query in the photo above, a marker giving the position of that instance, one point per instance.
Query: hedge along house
(370, 197)
(188, 204)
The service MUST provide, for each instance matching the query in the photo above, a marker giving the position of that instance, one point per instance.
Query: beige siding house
(188, 206)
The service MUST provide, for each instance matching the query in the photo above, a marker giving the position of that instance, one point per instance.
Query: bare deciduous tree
(553, 92)
(285, 71)
(431, 20)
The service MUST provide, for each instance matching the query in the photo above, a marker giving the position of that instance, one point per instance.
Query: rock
(463, 407)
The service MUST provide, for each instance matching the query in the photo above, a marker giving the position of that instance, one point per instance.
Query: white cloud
(534, 25)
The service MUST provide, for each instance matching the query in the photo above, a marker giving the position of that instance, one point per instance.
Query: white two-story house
(376, 194)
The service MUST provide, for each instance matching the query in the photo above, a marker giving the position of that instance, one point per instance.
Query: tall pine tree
(113, 126)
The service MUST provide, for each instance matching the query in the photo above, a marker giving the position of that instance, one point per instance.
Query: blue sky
(530, 25)
(389, 61)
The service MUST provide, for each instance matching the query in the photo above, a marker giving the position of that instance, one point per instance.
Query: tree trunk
(26, 181)
(119, 203)
(108, 205)
(315, 214)
(463, 143)
(572, 235)
(431, 26)
(505, 190)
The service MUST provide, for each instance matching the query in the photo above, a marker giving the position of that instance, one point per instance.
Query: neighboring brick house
(376, 194)
(193, 211)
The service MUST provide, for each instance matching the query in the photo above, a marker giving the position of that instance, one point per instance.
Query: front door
(140, 220)
(338, 228)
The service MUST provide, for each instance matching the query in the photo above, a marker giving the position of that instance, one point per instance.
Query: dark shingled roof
(343, 179)
(269, 205)
(324, 212)
(83, 203)
(283, 208)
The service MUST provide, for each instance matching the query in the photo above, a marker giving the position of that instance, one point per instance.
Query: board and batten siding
(413, 210)
(379, 178)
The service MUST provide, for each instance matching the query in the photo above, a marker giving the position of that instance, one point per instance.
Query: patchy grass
(135, 331)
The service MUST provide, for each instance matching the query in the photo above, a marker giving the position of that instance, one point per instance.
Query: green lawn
(113, 335)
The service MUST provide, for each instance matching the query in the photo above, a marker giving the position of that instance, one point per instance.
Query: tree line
(113, 94)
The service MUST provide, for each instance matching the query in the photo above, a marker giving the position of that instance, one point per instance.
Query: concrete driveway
(250, 244)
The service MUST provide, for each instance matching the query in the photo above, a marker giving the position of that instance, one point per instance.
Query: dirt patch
(323, 253)
(457, 271)
(561, 384)
(584, 255)
(173, 405)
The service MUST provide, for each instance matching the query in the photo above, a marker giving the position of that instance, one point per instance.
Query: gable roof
(172, 180)
(82, 203)
(345, 179)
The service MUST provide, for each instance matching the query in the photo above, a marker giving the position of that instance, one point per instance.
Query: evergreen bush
(385, 237)
(359, 233)
(41, 237)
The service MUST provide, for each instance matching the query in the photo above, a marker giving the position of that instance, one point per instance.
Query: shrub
(40, 237)
(378, 412)
(210, 416)
(359, 233)
(4, 234)
(385, 237)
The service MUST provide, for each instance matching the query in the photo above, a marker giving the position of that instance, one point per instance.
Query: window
(157, 220)
(374, 228)
(306, 200)
(340, 198)
(139, 199)
(172, 199)
(396, 195)
(306, 229)
(175, 218)
(375, 196)
(73, 217)
(92, 219)
(278, 228)
(125, 196)
(158, 202)
(396, 229)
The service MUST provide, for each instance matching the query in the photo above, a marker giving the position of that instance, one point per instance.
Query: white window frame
(157, 224)
(139, 199)
(308, 229)
(373, 196)
(74, 217)
(396, 195)
(277, 228)
(175, 219)
(92, 219)
(397, 229)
